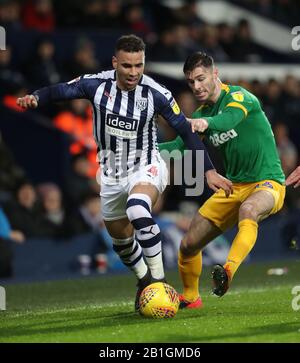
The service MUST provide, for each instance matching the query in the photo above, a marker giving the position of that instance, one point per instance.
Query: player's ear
(114, 62)
(215, 72)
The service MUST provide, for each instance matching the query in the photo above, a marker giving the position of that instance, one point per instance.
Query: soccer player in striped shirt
(125, 104)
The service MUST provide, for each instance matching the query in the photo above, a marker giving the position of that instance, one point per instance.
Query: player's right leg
(130, 252)
(144, 188)
(147, 232)
(200, 233)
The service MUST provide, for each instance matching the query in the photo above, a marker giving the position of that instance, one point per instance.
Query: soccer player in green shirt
(233, 121)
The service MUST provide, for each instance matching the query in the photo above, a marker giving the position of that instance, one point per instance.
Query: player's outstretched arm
(176, 144)
(227, 120)
(214, 180)
(171, 112)
(198, 124)
(294, 178)
(28, 101)
(80, 87)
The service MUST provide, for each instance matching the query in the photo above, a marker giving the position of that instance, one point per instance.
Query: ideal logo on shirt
(219, 139)
(121, 126)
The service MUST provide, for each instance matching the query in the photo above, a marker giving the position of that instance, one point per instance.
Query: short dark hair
(197, 59)
(130, 43)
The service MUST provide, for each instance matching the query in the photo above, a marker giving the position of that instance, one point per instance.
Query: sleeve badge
(175, 107)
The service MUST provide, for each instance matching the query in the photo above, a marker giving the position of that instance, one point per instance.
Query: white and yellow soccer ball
(159, 300)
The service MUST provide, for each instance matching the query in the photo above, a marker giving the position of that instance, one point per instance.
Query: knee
(248, 210)
(138, 205)
(188, 247)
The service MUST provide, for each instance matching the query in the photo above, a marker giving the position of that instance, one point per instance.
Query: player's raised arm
(294, 178)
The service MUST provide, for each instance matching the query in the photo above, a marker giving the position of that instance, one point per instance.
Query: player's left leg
(253, 209)
(257, 206)
(139, 207)
(124, 244)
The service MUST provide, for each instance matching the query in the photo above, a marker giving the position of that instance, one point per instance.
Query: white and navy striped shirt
(125, 127)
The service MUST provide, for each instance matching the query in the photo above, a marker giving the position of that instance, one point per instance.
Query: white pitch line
(72, 309)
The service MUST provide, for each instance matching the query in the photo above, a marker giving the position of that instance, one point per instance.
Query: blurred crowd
(284, 11)
(181, 32)
(49, 210)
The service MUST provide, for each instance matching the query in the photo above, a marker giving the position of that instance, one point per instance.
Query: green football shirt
(239, 128)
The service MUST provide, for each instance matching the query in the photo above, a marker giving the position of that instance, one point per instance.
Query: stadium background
(48, 154)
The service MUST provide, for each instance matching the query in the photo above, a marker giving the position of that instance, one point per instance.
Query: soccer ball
(159, 300)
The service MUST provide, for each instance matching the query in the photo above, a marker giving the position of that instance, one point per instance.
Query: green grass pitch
(257, 308)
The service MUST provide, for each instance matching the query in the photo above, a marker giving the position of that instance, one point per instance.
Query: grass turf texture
(257, 308)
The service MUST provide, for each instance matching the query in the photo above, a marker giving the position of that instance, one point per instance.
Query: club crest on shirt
(238, 96)
(141, 104)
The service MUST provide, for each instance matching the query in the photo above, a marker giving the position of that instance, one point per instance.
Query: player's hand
(216, 181)
(17, 236)
(294, 178)
(28, 101)
(198, 124)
